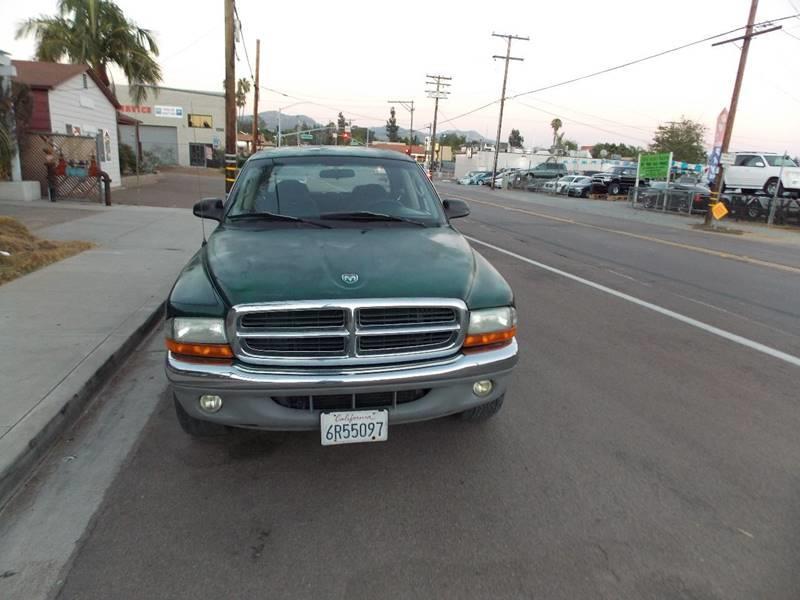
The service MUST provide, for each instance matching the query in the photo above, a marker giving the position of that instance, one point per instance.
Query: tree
(16, 107)
(97, 33)
(619, 150)
(683, 138)
(556, 124)
(412, 142)
(569, 145)
(453, 140)
(242, 89)
(515, 139)
(341, 123)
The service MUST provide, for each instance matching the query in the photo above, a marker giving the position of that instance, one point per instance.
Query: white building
(179, 127)
(69, 99)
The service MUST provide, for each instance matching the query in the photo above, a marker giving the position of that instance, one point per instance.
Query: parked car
(473, 177)
(335, 295)
(614, 181)
(758, 206)
(549, 186)
(547, 170)
(506, 175)
(580, 187)
(565, 183)
(759, 171)
(682, 193)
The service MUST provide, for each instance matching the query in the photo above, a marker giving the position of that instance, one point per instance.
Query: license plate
(354, 426)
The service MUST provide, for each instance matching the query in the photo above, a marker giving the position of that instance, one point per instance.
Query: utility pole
(437, 94)
(230, 99)
(255, 98)
(409, 106)
(507, 58)
(737, 86)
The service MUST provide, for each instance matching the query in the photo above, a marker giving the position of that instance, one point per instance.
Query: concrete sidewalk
(65, 328)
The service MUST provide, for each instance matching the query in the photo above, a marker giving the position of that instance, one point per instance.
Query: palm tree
(96, 32)
(242, 89)
(556, 125)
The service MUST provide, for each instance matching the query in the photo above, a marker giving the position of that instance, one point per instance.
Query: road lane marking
(647, 238)
(738, 339)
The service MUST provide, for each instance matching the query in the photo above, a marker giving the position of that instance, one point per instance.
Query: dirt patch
(717, 229)
(28, 253)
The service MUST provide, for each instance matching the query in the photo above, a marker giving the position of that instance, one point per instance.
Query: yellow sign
(718, 210)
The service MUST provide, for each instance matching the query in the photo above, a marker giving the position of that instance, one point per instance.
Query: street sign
(654, 166)
(306, 136)
(727, 159)
(718, 210)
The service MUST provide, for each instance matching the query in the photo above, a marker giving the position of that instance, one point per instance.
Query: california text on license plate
(354, 426)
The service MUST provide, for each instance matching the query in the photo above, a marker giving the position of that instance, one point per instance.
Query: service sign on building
(174, 112)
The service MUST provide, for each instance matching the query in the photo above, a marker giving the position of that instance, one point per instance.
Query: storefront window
(203, 121)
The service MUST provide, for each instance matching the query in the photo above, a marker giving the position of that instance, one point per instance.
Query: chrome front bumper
(246, 390)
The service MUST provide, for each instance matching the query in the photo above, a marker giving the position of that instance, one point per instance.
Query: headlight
(198, 337)
(199, 330)
(491, 326)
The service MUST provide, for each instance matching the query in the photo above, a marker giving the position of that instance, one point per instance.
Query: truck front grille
(350, 332)
(375, 344)
(350, 401)
(295, 319)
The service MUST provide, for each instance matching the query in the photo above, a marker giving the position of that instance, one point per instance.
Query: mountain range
(288, 122)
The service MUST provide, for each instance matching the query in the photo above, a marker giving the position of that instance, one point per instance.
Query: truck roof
(354, 151)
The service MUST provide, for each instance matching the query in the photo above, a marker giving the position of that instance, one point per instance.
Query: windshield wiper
(268, 216)
(365, 215)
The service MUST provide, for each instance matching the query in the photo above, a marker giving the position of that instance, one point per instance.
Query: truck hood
(279, 264)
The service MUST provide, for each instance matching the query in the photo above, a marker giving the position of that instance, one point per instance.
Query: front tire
(483, 412)
(197, 428)
(613, 189)
(754, 209)
(772, 186)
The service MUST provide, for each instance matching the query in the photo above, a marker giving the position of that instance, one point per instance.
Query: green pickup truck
(335, 295)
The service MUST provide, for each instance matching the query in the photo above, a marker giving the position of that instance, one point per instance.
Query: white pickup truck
(754, 171)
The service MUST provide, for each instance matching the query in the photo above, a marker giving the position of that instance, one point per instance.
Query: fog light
(210, 403)
(482, 388)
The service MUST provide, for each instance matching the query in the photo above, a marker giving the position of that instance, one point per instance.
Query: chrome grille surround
(392, 341)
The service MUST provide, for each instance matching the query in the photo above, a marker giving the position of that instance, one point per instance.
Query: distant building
(179, 127)
(70, 99)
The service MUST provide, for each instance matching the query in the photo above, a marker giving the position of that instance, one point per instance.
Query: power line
(244, 44)
(621, 66)
(616, 133)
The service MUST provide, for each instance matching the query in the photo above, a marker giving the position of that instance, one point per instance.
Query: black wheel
(613, 189)
(196, 427)
(483, 412)
(585, 193)
(754, 209)
(771, 186)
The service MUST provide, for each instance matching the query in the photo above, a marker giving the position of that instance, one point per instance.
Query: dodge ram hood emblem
(350, 278)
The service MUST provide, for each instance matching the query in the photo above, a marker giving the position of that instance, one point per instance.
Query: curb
(54, 417)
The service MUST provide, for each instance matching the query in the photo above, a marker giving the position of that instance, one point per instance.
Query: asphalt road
(641, 453)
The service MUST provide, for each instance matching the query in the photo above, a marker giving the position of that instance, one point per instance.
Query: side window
(755, 161)
(743, 159)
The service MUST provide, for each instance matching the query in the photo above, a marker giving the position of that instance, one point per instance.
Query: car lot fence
(663, 199)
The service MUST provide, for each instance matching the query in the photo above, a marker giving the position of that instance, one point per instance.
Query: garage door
(159, 143)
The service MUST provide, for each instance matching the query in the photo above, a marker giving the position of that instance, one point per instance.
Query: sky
(321, 57)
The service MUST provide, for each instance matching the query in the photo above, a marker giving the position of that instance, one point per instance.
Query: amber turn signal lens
(489, 339)
(200, 350)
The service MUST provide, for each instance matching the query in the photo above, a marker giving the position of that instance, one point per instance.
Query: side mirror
(455, 209)
(209, 208)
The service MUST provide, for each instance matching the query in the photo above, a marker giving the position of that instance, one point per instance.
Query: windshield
(778, 161)
(321, 186)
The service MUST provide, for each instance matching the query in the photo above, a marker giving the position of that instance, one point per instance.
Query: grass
(29, 253)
